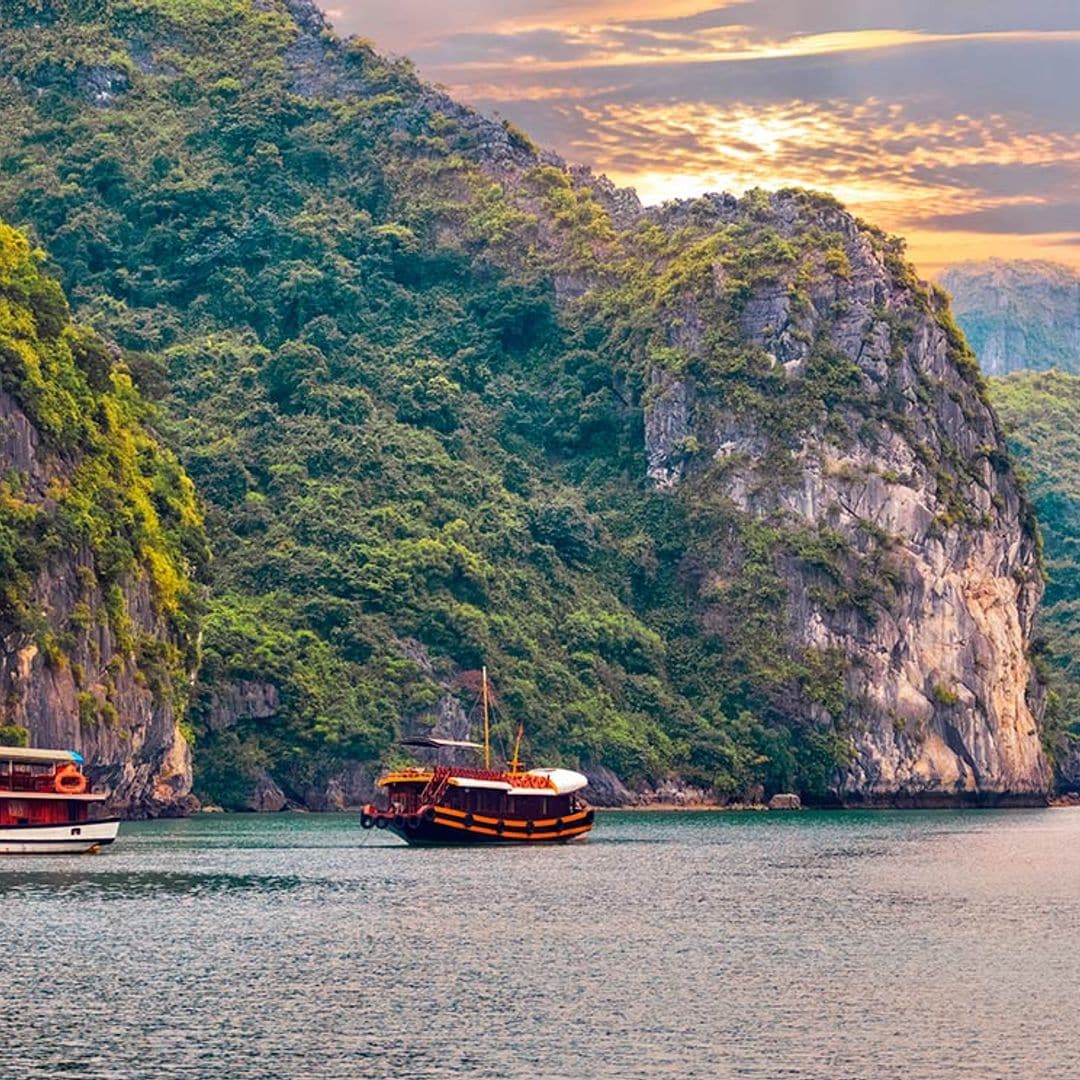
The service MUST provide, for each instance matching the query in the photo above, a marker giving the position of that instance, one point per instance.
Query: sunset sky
(952, 122)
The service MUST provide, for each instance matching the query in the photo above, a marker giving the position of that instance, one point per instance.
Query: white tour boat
(45, 802)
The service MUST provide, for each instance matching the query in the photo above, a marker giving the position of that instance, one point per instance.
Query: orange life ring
(69, 781)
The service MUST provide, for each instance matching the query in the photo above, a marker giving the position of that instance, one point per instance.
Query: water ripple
(719, 945)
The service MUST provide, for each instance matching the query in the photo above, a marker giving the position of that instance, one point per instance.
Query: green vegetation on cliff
(358, 401)
(356, 303)
(1040, 413)
(115, 502)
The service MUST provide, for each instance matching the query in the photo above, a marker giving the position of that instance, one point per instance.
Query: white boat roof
(435, 744)
(562, 780)
(24, 754)
(492, 785)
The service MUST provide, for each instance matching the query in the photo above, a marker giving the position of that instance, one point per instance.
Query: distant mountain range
(1018, 315)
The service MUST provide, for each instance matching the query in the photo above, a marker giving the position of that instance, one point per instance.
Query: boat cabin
(42, 787)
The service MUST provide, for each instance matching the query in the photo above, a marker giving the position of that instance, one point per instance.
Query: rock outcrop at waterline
(97, 531)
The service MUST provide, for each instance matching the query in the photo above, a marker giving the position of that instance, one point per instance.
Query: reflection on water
(741, 945)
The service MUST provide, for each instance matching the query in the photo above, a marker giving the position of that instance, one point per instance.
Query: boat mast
(487, 721)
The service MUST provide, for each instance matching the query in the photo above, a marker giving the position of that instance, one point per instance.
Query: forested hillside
(1040, 413)
(680, 478)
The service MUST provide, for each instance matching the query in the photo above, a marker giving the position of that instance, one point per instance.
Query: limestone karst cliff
(712, 488)
(910, 554)
(98, 535)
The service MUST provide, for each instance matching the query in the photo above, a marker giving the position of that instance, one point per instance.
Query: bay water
(771, 945)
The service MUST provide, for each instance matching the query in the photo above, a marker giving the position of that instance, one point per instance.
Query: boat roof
(435, 744)
(559, 781)
(563, 781)
(41, 757)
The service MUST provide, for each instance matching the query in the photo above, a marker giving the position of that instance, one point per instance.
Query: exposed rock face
(344, 789)
(1018, 315)
(671, 792)
(606, 789)
(102, 700)
(910, 474)
(244, 699)
(1068, 769)
(785, 801)
(330, 788)
(668, 427)
(266, 797)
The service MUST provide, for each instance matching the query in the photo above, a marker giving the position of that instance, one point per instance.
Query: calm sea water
(713, 945)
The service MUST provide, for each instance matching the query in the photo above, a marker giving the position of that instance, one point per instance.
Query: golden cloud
(895, 170)
(578, 13)
(953, 182)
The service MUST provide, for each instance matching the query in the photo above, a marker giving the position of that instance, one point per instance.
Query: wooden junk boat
(451, 804)
(45, 804)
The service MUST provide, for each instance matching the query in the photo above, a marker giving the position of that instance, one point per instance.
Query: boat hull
(445, 826)
(66, 839)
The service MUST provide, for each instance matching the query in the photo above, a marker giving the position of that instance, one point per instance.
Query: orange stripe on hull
(513, 823)
(505, 835)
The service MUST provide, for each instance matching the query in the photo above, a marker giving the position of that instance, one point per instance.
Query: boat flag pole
(487, 722)
(515, 765)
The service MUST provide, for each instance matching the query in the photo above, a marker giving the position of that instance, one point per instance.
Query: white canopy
(493, 785)
(562, 780)
(28, 755)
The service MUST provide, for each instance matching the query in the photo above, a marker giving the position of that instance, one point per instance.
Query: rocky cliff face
(1018, 315)
(94, 696)
(929, 579)
(91, 658)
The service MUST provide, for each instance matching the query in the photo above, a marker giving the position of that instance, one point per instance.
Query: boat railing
(436, 786)
(27, 781)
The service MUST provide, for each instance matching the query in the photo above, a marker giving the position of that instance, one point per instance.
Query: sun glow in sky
(955, 124)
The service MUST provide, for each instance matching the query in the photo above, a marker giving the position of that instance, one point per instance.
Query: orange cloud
(577, 13)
